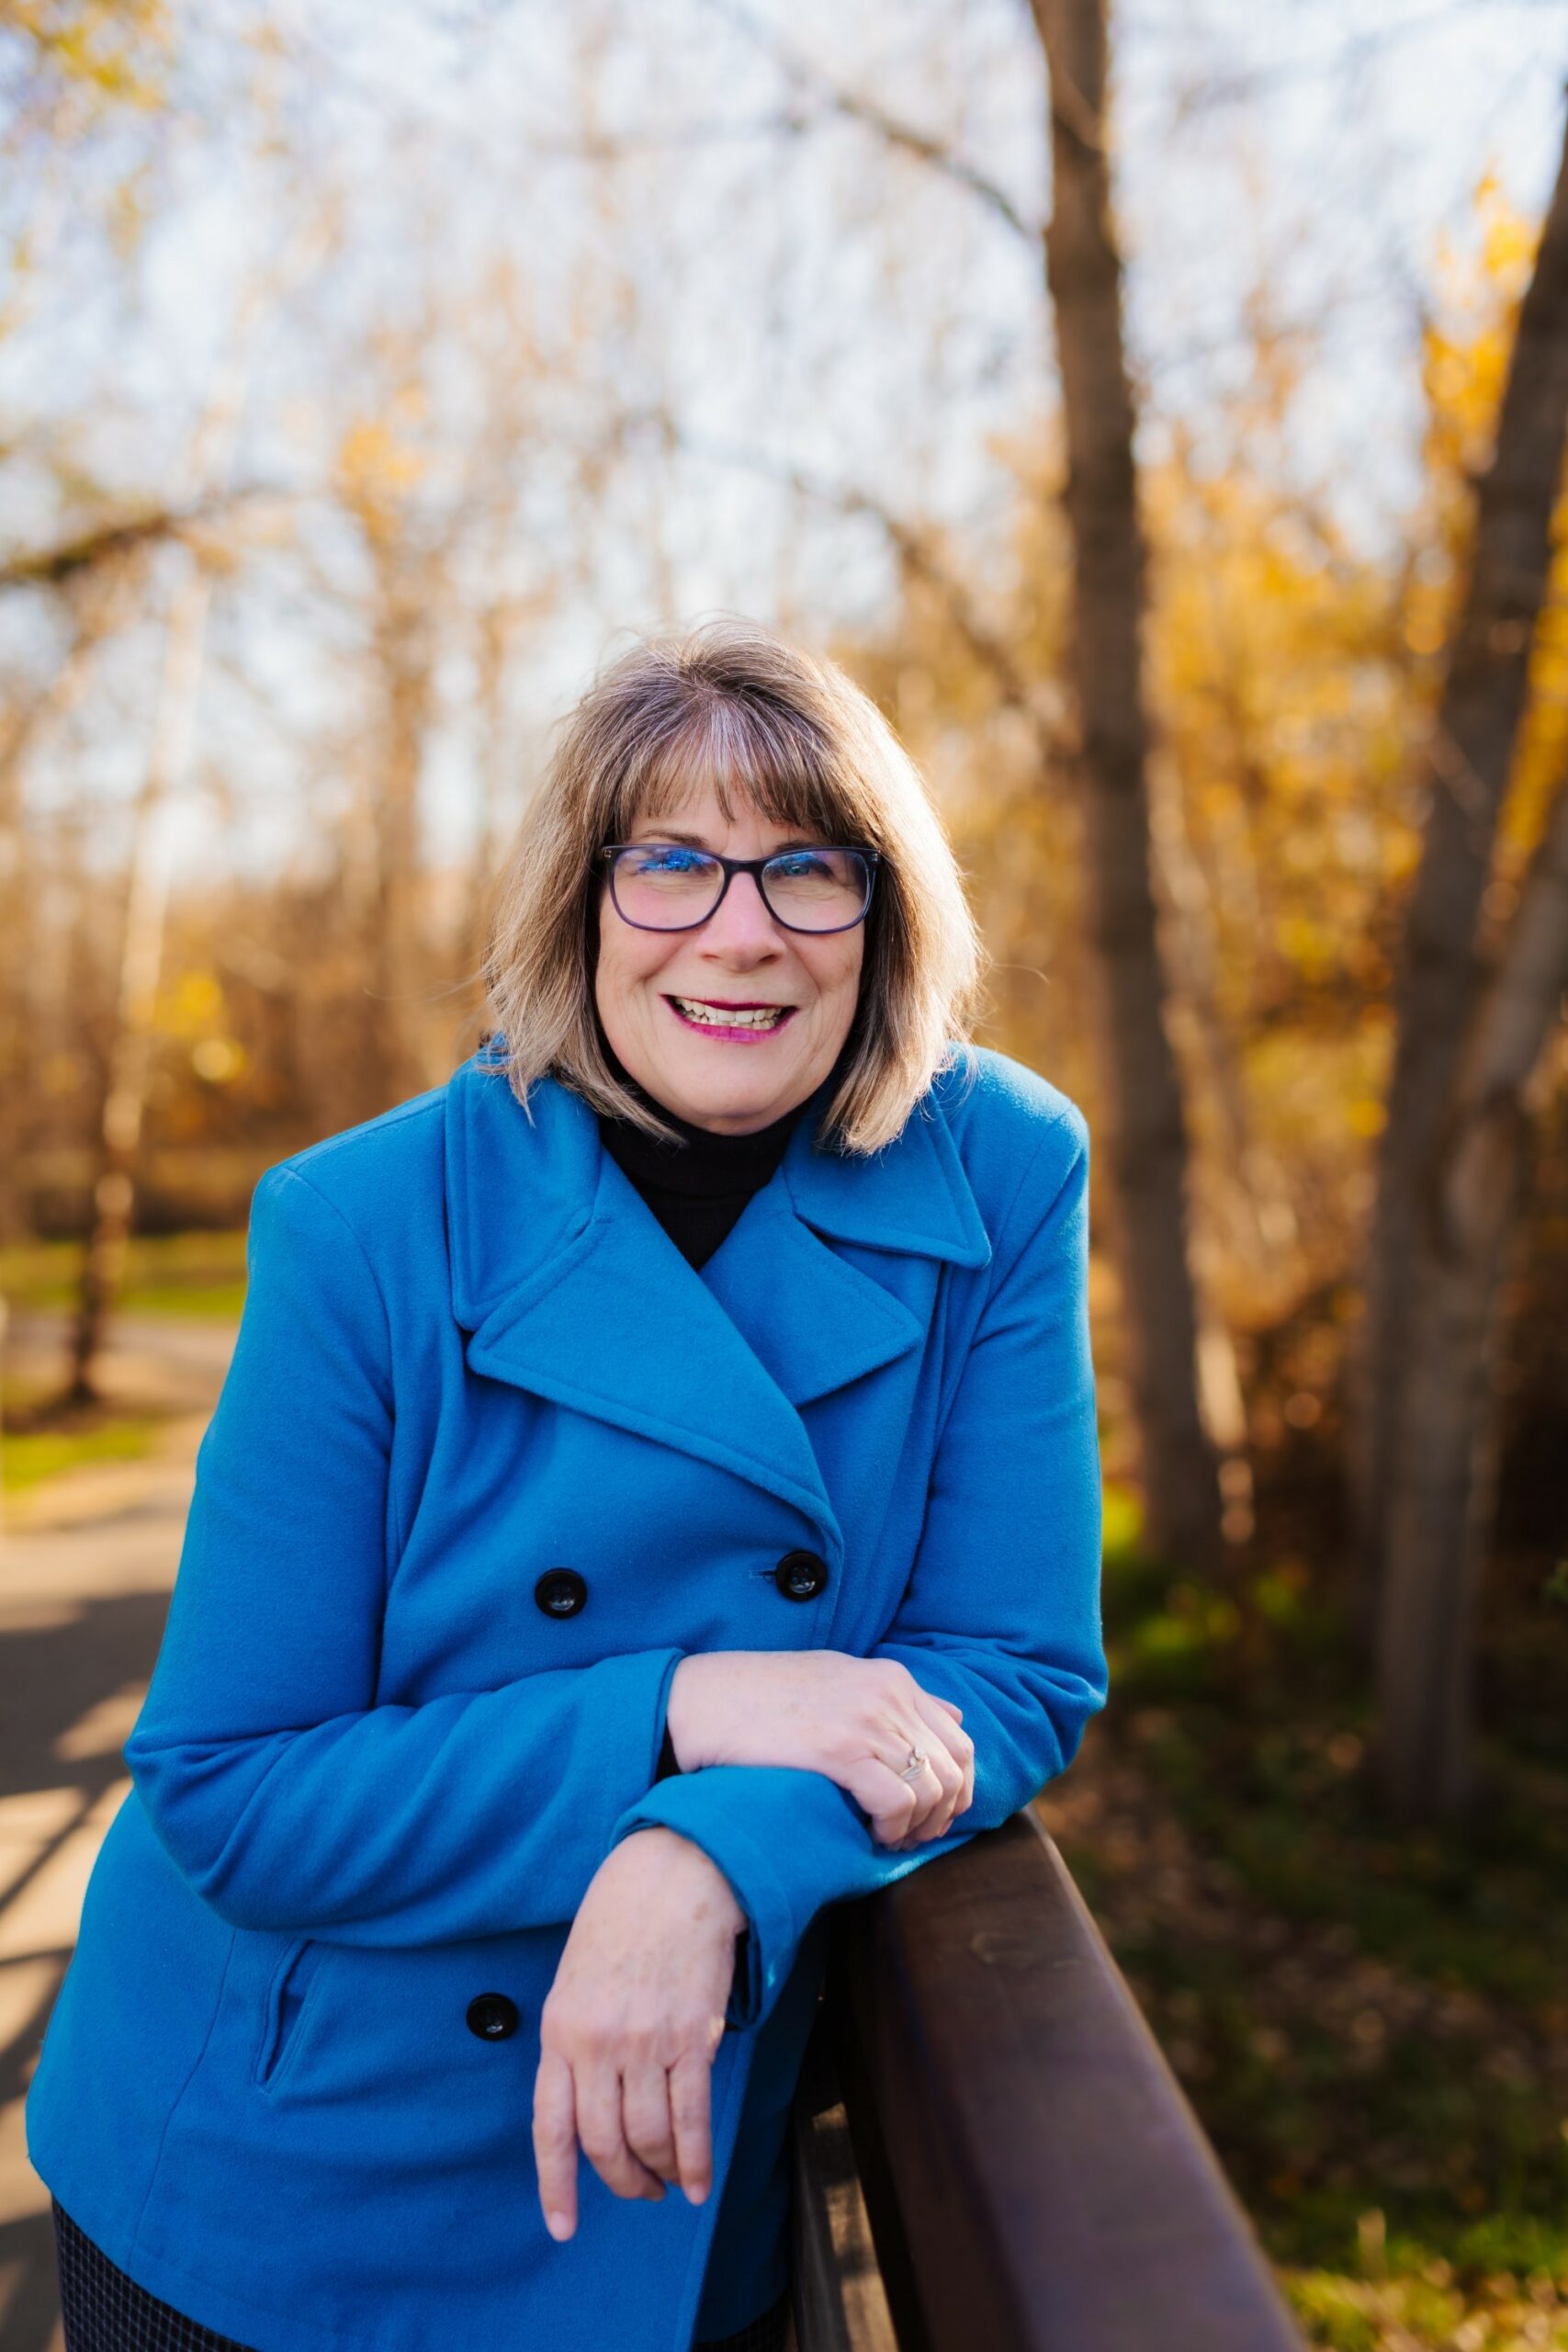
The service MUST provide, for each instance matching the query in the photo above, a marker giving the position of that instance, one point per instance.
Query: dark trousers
(105, 2312)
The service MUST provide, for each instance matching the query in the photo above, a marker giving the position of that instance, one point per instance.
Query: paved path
(87, 1563)
(162, 1361)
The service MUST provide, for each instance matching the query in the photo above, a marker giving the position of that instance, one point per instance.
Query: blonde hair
(730, 703)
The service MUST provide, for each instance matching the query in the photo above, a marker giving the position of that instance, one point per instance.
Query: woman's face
(733, 1081)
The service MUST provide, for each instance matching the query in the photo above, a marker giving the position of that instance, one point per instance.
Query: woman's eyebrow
(694, 841)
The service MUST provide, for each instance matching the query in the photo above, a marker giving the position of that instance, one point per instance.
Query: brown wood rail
(991, 2153)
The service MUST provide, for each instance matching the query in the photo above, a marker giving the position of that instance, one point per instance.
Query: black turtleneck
(696, 1188)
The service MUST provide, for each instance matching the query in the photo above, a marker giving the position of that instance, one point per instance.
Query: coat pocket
(298, 1967)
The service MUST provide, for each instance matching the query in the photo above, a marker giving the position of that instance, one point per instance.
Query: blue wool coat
(389, 1741)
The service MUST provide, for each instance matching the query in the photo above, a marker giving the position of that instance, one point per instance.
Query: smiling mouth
(730, 1021)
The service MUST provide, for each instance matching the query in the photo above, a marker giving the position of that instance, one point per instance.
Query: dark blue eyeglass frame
(756, 867)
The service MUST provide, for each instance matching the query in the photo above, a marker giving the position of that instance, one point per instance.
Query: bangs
(752, 753)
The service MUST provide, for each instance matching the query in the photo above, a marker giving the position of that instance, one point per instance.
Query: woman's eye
(669, 860)
(797, 863)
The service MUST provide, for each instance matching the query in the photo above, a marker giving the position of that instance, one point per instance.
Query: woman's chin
(734, 1098)
(738, 1117)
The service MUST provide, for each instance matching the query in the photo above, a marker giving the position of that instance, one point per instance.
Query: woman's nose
(742, 920)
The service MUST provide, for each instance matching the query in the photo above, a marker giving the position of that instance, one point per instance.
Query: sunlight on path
(44, 1916)
(83, 1540)
(38, 1933)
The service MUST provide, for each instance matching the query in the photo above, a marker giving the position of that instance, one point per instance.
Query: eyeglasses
(668, 886)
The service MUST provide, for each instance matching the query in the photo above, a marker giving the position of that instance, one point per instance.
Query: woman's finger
(554, 2143)
(959, 1746)
(938, 1786)
(937, 1812)
(602, 2134)
(690, 2079)
(946, 1724)
(887, 1802)
(936, 1791)
(645, 2116)
(897, 1805)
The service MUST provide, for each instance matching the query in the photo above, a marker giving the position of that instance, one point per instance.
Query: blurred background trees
(356, 390)
(1163, 417)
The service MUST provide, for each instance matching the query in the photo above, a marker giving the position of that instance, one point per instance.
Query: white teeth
(712, 1016)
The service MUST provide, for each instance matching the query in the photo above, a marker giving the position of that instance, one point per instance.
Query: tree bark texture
(141, 956)
(1148, 1142)
(1445, 1442)
(1469, 760)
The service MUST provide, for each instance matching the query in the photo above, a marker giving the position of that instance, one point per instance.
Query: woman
(654, 1496)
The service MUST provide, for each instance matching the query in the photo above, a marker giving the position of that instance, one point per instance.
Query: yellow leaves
(1541, 755)
(1424, 631)
(114, 49)
(193, 1011)
(1463, 384)
(1311, 947)
(1465, 366)
(1465, 361)
(191, 1005)
(218, 1059)
(379, 460)
(1509, 238)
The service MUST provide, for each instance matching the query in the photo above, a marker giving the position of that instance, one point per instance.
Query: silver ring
(916, 1764)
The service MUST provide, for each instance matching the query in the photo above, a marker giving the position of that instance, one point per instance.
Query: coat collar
(570, 1287)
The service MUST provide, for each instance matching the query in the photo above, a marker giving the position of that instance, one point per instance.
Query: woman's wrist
(680, 1742)
(707, 1883)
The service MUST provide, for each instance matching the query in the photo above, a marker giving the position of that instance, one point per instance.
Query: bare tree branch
(1038, 700)
(50, 567)
(904, 136)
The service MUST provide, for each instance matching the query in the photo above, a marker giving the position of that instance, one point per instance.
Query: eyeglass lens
(664, 886)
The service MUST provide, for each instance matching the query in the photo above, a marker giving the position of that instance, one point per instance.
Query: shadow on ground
(87, 1564)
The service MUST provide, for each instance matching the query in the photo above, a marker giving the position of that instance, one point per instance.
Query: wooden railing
(991, 2153)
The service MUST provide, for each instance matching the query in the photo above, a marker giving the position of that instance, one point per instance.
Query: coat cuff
(766, 1948)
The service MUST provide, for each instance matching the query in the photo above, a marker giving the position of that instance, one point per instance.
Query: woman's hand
(629, 2032)
(856, 1719)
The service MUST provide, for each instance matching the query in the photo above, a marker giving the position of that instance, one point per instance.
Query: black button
(801, 1576)
(560, 1592)
(493, 2017)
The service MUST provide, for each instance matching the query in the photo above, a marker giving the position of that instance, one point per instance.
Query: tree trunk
(1148, 1143)
(408, 591)
(1470, 757)
(20, 884)
(141, 952)
(1444, 1445)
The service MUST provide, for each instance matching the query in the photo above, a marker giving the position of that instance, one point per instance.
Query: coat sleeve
(1001, 1611)
(287, 1796)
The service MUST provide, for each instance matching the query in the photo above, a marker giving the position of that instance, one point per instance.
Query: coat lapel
(572, 1290)
(814, 1321)
(620, 1327)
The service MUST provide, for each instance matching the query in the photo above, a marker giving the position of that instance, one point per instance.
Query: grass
(28, 1457)
(174, 1273)
(1372, 2025)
